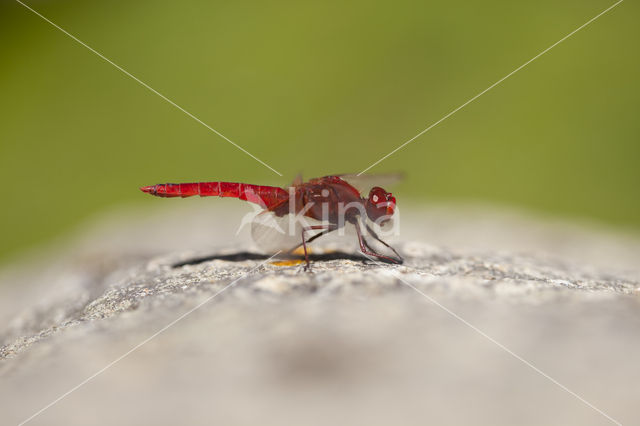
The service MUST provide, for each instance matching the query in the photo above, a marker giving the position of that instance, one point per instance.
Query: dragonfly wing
(273, 233)
(297, 181)
(364, 183)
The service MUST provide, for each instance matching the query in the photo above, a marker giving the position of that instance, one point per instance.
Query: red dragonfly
(332, 202)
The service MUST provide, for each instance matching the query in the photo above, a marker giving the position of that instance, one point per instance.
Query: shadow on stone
(245, 255)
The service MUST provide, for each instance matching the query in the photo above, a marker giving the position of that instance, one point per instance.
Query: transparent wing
(364, 183)
(272, 233)
(297, 180)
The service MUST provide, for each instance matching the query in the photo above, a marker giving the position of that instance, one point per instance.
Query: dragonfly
(326, 204)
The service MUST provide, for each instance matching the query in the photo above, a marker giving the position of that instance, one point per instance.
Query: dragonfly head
(380, 205)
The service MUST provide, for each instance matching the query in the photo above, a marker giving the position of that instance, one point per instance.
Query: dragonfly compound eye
(380, 204)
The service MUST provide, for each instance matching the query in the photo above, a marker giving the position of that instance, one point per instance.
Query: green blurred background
(318, 87)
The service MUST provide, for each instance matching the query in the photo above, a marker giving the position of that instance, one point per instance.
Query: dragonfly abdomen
(266, 196)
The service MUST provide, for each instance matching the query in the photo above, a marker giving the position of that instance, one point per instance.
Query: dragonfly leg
(318, 235)
(374, 235)
(367, 250)
(326, 229)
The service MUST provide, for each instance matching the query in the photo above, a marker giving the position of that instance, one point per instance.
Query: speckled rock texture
(495, 318)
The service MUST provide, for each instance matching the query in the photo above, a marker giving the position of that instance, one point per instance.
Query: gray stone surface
(352, 343)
